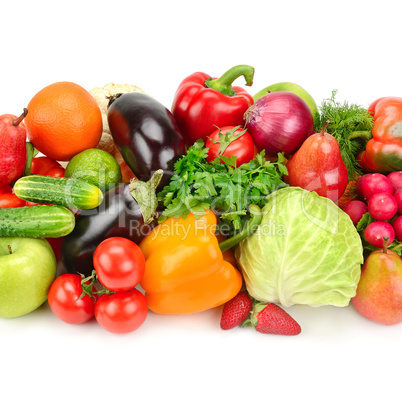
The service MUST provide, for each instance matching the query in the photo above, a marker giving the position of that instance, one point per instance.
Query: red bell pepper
(383, 153)
(202, 103)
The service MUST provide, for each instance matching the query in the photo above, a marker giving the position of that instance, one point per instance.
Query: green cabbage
(306, 251)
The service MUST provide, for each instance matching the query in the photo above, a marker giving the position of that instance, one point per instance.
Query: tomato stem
(18, 120)
(88, 284)
(226, 139)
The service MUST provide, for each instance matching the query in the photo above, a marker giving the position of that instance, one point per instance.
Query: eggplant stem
(145, 195)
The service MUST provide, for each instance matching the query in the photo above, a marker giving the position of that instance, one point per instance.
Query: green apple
(294, 88)
(27, 269)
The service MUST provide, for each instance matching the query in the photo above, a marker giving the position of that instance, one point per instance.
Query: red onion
(279, 122)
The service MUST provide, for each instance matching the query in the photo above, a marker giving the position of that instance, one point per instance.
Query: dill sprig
(351, 126)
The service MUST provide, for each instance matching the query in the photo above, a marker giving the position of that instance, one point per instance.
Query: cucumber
(68, 192)
(39, 221)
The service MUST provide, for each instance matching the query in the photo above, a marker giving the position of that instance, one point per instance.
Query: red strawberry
(271, 319)
(236, 310)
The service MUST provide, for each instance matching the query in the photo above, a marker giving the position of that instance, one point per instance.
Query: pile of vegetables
(209, 216)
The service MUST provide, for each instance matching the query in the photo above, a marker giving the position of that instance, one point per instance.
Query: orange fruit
(63, 119)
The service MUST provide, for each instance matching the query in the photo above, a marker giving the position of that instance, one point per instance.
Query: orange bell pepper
(185, 267)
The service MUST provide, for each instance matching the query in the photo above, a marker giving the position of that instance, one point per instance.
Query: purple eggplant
(146, 134)
(128, 210)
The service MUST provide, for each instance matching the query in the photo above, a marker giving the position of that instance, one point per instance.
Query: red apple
(12, 147)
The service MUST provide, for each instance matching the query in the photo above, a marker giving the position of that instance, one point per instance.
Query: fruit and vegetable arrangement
(113, 205)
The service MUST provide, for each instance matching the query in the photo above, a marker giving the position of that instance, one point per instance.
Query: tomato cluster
(117, 306)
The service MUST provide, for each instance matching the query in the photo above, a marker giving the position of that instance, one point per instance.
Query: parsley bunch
(198, 185)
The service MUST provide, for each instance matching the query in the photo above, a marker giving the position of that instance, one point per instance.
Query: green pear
(294, 88)
(379, 292)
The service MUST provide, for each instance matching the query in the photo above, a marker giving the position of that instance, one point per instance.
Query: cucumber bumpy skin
(39, 221)
(68, 192)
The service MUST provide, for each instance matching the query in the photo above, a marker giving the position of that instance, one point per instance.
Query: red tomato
(242, 147)
(11, 201)
(31, 204)
(121, 312)
(63, 300)
(5, 189)
(42, 164)
(57, 171)
(119, 264)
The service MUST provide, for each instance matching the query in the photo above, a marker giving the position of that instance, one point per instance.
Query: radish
(397, 225)
(376, 231)
(356, 209)
(398, 197)
(372, 183)
(382, 206)
(396, 179)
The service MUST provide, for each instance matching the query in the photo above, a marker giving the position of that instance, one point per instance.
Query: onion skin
(279, 122)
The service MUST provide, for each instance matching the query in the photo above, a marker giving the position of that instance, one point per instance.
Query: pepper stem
(360, 135)
(224, 83)
(249, 229)
(145, 195)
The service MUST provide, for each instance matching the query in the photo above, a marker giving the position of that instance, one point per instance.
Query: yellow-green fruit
(27, 269)
(96, 167)
(294, 88)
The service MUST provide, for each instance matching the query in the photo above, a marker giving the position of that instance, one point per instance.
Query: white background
(352, 46)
